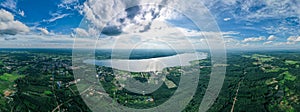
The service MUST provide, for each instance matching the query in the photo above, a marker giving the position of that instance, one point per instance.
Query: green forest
(41, 80)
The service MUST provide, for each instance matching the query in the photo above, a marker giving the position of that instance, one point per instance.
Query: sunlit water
(152, 64)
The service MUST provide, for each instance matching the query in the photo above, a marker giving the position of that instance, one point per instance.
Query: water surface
(152, 64)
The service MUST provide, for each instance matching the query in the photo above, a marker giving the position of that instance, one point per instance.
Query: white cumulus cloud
(21, 13)
(254, 39)
(69, 4)
(81, 32)
(43, 30)
(293, 39)
(10, 26)
(268, 42)
(271, 37)
(112, 14)
(148, 23)
(227, 19)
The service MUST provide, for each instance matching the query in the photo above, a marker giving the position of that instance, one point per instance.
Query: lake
(151, 64)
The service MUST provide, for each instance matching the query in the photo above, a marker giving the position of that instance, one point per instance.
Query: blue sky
(53, 23)
(46, 14)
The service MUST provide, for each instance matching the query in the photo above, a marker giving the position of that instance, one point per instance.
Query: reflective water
(152, 64)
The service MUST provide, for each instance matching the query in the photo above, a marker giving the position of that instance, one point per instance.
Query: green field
(6, 85)
(289, 76)
(291, 62)
(9, 77)
(7, 80)
(262, 58)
